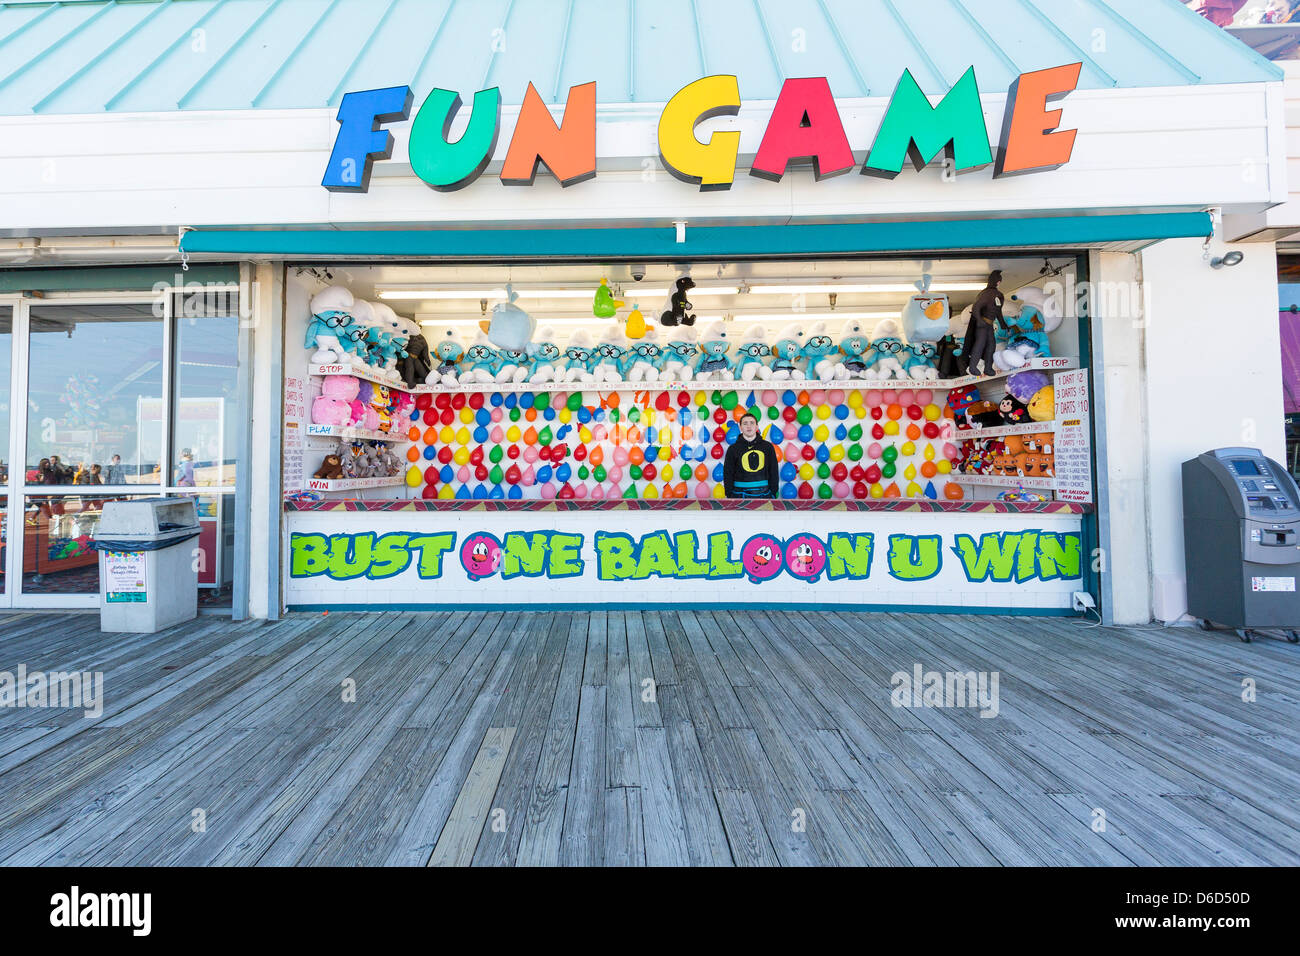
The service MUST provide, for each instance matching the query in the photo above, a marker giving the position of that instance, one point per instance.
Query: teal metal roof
(90, 56)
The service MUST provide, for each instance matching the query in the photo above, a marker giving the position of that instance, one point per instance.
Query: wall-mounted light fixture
(1227, 260)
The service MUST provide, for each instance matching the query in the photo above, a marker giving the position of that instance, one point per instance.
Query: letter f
(360, 140)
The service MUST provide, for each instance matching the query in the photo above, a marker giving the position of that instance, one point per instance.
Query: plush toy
(542, 355)
(334, 405)
(415, 367)
(886, 354)
(752, 354)
(787, 355)
(579, 358)
(1042, 407)
(510, 327)
(331, 317)
(1039, 313)
(610, 353)
(713, 362)
(1042, 443)
(643, 358)
(983, 414)
(481, 361)
(447, 353)
(330, 469)
(349, 456)
(392, 344)
(819, 351)
(403, 409)
(390, 465)
(1013, 411)
(363, 335)
(512, 366)
(605, 305)
(679, 308)
(961, 399)
(917, 360)
(677, 357)
(377, 403)
(926, 316)
(635, 327)
(947, 359)
(854, 343)
(1023, 385)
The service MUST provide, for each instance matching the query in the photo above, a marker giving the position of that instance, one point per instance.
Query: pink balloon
(906, 397)
(615, 491)
(497, 414)
(620, 455)
(924, 396)
(598, 433)
(768, 397)
(702, 490)
(841, 489)
(615, 474)
(530, 453)
(836, 396)
(581, 490)
(874, 450)
(463, 474)
(558, 399)
(790, 431)
(548, 491)
(875, 398)
(597, 493)
(817, 397)
(950, 451)
(497, 436)
(529, 477)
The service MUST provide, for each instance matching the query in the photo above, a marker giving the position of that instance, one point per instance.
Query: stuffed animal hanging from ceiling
(679, 307)
(604, 305)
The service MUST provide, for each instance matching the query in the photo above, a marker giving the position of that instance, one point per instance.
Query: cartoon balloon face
(480, 555)
(805, 557)
(761, 558)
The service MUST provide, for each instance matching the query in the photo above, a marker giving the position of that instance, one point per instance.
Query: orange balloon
(952, 491)
(739, 412)
(670, 414)
(412, 454)
(598, 455)
(913, 431)
(431, 435)
(892, 491)
(633, 434)
(895, 412)
(530, 414)
(701, 473)
(636, 456)
(530, 436)
(928, 469)
(413, 433)
(611, 400)
(679, 490)
(803, 398)
(779, 456)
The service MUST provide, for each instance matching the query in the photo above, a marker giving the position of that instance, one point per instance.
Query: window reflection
(205, 428)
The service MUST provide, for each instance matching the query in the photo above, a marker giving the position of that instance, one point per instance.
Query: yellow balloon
(647, 416)
(909, 449)
(929, 452)
(914, 490)
(447, 435)
(467, 415)
(943, 466)
(445, 492)
(877, 491)
(719, 491)
(584, 433)
(650, 491)
(837, 453)
(806, 471)
(414, 477)
(861, 411)
(666, 453)
(855, 399)
(909, 473)
(512, 434)
(564, 415)
(891, 428)
(461, 456)
(701, 398)
(932, 413)
(822, 433)
(823, 411)
(462, 436)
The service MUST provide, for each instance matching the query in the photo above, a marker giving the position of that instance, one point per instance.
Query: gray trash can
(147, 575)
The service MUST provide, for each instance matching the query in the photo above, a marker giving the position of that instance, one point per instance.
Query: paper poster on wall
(1073, 437)
(124, 577)
(295, 411)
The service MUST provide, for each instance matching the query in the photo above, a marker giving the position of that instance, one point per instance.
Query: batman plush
(417, 364)
(947, 360)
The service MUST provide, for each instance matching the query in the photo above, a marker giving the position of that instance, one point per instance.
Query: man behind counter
(749, 470)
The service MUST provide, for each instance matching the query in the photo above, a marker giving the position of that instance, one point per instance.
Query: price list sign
(1073, 437)
(295, 412)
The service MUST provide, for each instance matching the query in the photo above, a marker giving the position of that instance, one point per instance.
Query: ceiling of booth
(90, 56)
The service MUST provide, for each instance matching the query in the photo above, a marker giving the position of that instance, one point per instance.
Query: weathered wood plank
(469, 814)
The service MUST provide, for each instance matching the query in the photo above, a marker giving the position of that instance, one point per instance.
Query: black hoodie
(747, 466)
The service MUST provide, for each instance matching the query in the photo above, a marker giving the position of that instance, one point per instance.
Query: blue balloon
(562, 431)
(704, 435)
(526, 400)
(480, 493)
(496, 399)
(511, 400)
(544, 474)
(598, 415)
(651, 453)
(462, 493)
(548, 413)
(496, 494)
(788, 491)
(841, 433)
(684, 416)
(733, 432)
(447, 475)
(483, 417)
(650, 433)
(480, 435)
(789, 472)
(584, 414)
(429, 452)
(841, 412)
(929, 490)
(823, 453)
(774, 435)
(515, 493)
(805, 433)
(788, 397)
(719, 473)
(563, 473)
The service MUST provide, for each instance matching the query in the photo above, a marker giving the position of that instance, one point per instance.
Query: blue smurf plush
(752, 354)
(854, 343)
(482, 361)
(446, 352)
(643, 357)
(677, 357)
(713, 364)
(331, 317)
(819, 352)
(885, 360)
(543, 356)
(918, 360)
(510, 327)
(926, 316)
(787, 355)
(1039, 313)
(579, 358)
(396, 333)
(611, 353)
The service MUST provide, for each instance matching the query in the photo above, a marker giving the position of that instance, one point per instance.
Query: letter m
(913, 129)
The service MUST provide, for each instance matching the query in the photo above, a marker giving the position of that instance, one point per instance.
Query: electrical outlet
(1082, 601)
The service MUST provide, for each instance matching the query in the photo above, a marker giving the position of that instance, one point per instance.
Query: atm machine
(1241, 541)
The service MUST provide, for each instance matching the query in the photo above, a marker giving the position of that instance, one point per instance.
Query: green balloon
(515, 413)
(684, 472)
(634, 415)
(599, 473)
(855, 433)
(496, 454)
(634, 472)
(889, 471)
(715, 398)
(773, 413)
(823, 470)
(890, 454)
(757, 413)
(541, 400)
(495, 475)
(730, 400)
(544, 436)
(630, 493)
(613, 415)
(824, 491)
(583, 473)
(804, 415)
(575, 402)
(855, 453)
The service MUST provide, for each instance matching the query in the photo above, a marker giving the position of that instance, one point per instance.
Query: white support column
(265, 498)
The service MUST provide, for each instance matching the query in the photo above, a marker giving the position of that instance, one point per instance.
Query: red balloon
(431, 417)
(873, 474)
(442, 400)
(717, 451)
(877, 431)
(429, 492)
(430, 475)
(789, 414)
(858, 473)
(476, 456)
(683, 399)
(931, 430)
(513, 475)
(839, 472)
(915, 413)
(476, 400)
(805, 492)
(808, 453)
(423, 401)
(445, 454)
(512, 451)
(559, 452)
(661, 401)
(481, 472)
(544, 453)
(719, 415)
(860, 490)
(719, 434)
(458, 401)
(447, 417)
(648, 472)
(877, 413)
(566, 493)
(580, 453)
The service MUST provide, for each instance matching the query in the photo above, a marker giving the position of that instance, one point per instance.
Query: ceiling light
(638, 293)
(864, 288)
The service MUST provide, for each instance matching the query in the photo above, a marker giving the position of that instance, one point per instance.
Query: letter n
(568, 150)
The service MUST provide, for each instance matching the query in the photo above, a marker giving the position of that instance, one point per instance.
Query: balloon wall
(831, 443)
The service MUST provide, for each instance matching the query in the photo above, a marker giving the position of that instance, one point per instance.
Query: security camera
(638, 273)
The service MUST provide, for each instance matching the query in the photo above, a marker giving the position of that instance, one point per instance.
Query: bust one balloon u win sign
(804, 129)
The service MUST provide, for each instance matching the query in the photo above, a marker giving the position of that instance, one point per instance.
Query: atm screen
(1261, 502)
(1244, 466)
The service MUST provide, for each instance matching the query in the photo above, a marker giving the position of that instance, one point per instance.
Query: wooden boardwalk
(660, 738)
